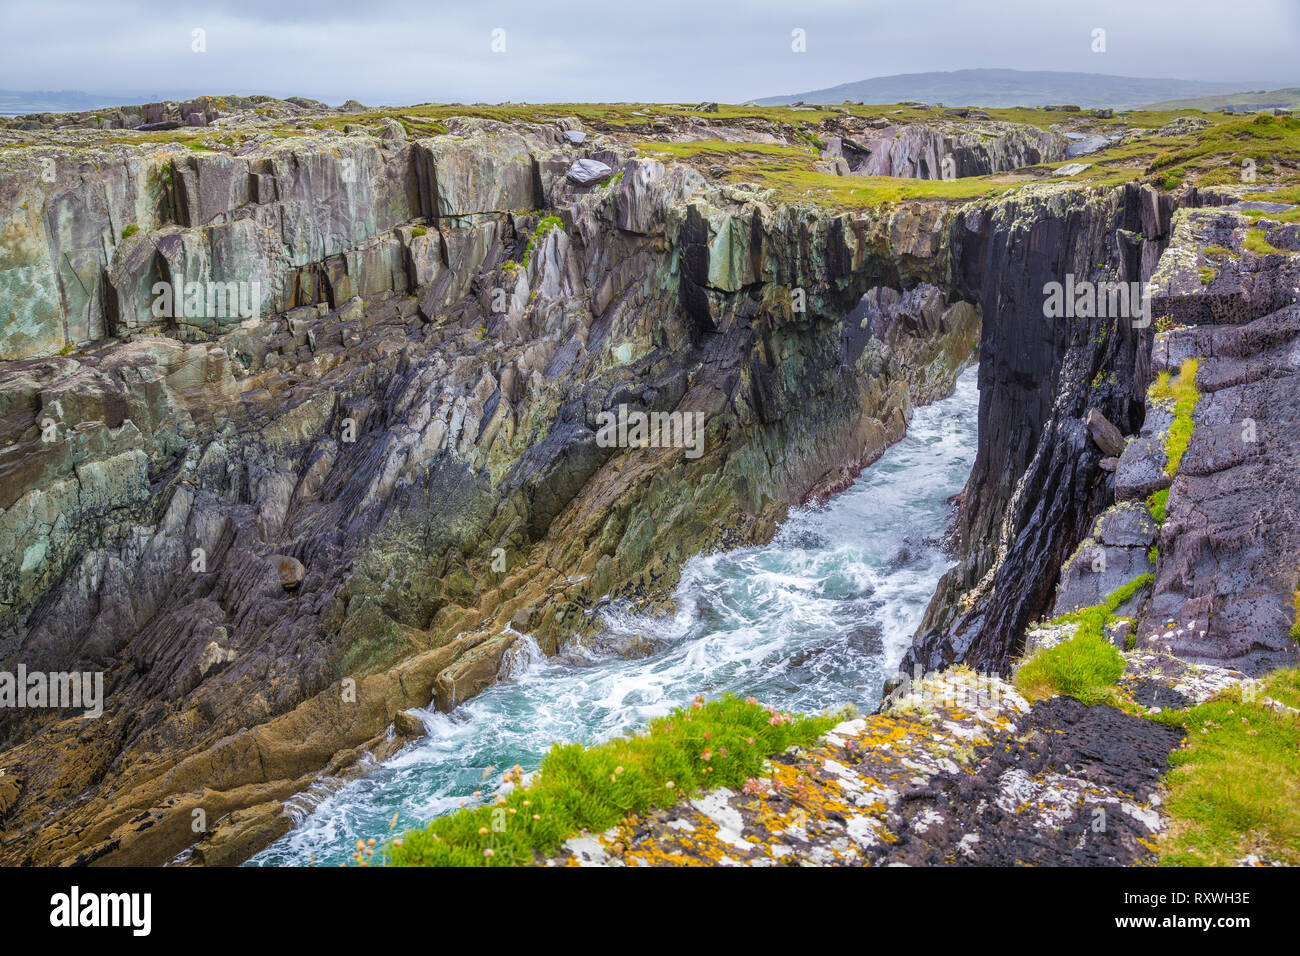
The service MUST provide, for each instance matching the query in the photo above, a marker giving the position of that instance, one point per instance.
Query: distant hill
(1288, 98)
(1014, 88)
(18, 102)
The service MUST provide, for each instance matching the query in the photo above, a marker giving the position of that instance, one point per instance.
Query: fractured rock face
(1037, 483)
(1111, 556)
(349, 505)
(918, 151)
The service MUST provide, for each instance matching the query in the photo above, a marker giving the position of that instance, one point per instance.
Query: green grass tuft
(1181, 390)
(721, 743)
(1257, 244)
(1159, 504)
(130, 231)
(541, 232)
(1087, 665)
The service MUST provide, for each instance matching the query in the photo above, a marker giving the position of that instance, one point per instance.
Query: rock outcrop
(957, 769)
(945, 151)
(1224, 559)
(1229, 548)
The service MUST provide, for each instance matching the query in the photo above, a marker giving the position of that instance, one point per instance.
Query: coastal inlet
(815, 619)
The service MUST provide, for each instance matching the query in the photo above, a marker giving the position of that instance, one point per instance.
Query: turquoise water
(818, 618)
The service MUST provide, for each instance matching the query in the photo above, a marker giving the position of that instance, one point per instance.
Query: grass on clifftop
(1256, 242)
(790, 171)
(1087, 666)
(1216, 155)
(1234, 786)
(1181, 391)
(717, 744)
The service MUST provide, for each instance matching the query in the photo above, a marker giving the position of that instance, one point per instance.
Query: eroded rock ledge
(957, 769)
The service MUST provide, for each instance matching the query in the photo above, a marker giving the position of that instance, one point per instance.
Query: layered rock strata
(274, 530)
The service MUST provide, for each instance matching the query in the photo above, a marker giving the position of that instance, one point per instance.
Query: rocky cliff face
(276, 521)
(1037, 481)
(1047, 492)
(1227, 570)
(273, 531)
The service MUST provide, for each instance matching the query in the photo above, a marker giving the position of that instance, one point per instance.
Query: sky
(389, 52)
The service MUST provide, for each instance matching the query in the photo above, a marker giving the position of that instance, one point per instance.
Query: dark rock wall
(1037, 483)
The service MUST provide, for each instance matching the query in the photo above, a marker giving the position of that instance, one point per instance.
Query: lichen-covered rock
(959, 770)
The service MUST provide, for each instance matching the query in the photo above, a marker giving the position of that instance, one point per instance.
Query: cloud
(384, 51)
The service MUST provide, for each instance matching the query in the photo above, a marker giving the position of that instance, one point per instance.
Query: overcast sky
(384, 51)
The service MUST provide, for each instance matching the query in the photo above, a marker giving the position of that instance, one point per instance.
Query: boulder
(575, 136)
(290, 570)
(1141, 469)
(407, 724)
(589, 171)
(392, 130)
(1108, 438)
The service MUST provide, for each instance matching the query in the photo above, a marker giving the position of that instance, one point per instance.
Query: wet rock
(407, 724)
